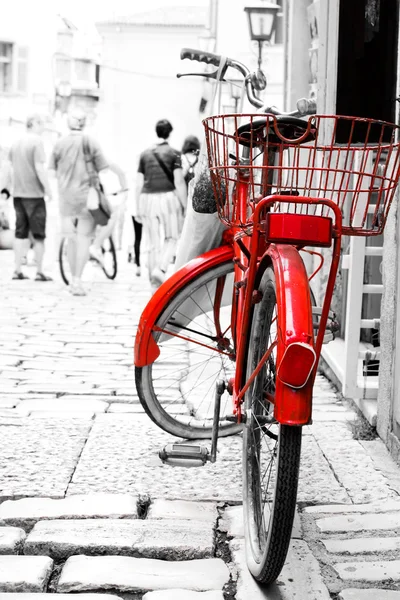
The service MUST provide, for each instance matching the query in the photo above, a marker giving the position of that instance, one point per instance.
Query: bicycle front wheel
(196, 350)
(271, 452)
(109, 264)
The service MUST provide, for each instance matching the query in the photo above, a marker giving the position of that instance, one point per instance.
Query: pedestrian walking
(190, 157)
(160, 192)
(134, 250)
(31, 185)
(69, 164)
(6, 235)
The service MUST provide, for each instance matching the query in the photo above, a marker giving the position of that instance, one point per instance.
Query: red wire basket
(354, 162)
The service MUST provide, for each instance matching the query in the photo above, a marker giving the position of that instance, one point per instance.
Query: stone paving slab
(170, 539)
(39, 596)
(62, 404)
(344, 524)
(300, 578)
(317, 481)
(62, 414)
(8, 402)
(120, 407)
(125, 574)
(362, 545)
(24, 573)
(182, 595)
(372, 594)
(183, 509)
(134, 465)
(11, 540)
(232, 523)
(44, 455)
(371, 571)
(383, 462)
(28, 511)
(381, 507)
(355, 470)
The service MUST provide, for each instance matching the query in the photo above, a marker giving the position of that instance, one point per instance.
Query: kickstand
(220, 388)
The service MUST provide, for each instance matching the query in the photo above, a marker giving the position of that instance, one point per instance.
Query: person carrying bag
(76, 160)
(160, 198)
(97, 202)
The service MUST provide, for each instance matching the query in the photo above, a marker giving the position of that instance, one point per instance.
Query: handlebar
(304, 106)
(207, 57)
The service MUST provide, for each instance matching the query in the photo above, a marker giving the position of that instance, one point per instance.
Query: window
(6, 53)
(13, 68)
(22, 70)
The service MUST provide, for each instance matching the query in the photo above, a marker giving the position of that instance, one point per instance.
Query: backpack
(190, 172)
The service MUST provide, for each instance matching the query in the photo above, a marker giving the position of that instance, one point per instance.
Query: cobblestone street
(87, 506)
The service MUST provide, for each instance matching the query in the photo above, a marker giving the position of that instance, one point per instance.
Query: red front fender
(146, 349)
(293, 405)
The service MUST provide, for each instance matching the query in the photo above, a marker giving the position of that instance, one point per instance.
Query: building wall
(139, 86)
(388, 421)
(233, 40)
(38, 36)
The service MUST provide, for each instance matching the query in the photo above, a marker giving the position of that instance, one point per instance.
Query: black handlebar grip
(207, 57)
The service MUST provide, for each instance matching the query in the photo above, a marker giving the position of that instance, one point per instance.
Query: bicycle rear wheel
(178, 390)
(271, 452)
(109, 264)
(63, 261)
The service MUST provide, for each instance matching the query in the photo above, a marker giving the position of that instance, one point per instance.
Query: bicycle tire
(165, 391)
(109, 264)
(63, 261)
(271, 452)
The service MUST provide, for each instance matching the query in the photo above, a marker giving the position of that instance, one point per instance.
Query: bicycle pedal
(184, 455)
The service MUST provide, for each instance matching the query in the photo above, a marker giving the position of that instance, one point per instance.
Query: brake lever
(211, 75)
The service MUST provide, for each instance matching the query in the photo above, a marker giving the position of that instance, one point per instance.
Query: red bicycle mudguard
(146, 350)
(296, 355)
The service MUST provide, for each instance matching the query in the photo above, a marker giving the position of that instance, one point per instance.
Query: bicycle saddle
(275, 130)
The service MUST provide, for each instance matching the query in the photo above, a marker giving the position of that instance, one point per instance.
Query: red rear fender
(146, 349)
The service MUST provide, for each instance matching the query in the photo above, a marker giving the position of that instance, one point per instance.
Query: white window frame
(19, 56)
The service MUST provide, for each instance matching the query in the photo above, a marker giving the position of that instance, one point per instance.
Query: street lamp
(262, 18)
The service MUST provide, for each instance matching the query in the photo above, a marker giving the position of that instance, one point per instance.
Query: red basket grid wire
(354, 162)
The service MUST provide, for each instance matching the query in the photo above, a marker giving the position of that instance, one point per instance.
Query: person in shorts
(68, 163)
(31, 185)
(160, 193)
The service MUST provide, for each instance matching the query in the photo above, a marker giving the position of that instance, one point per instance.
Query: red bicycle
(231, 341)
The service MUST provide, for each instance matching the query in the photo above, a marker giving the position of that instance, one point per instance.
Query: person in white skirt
(160, 193)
